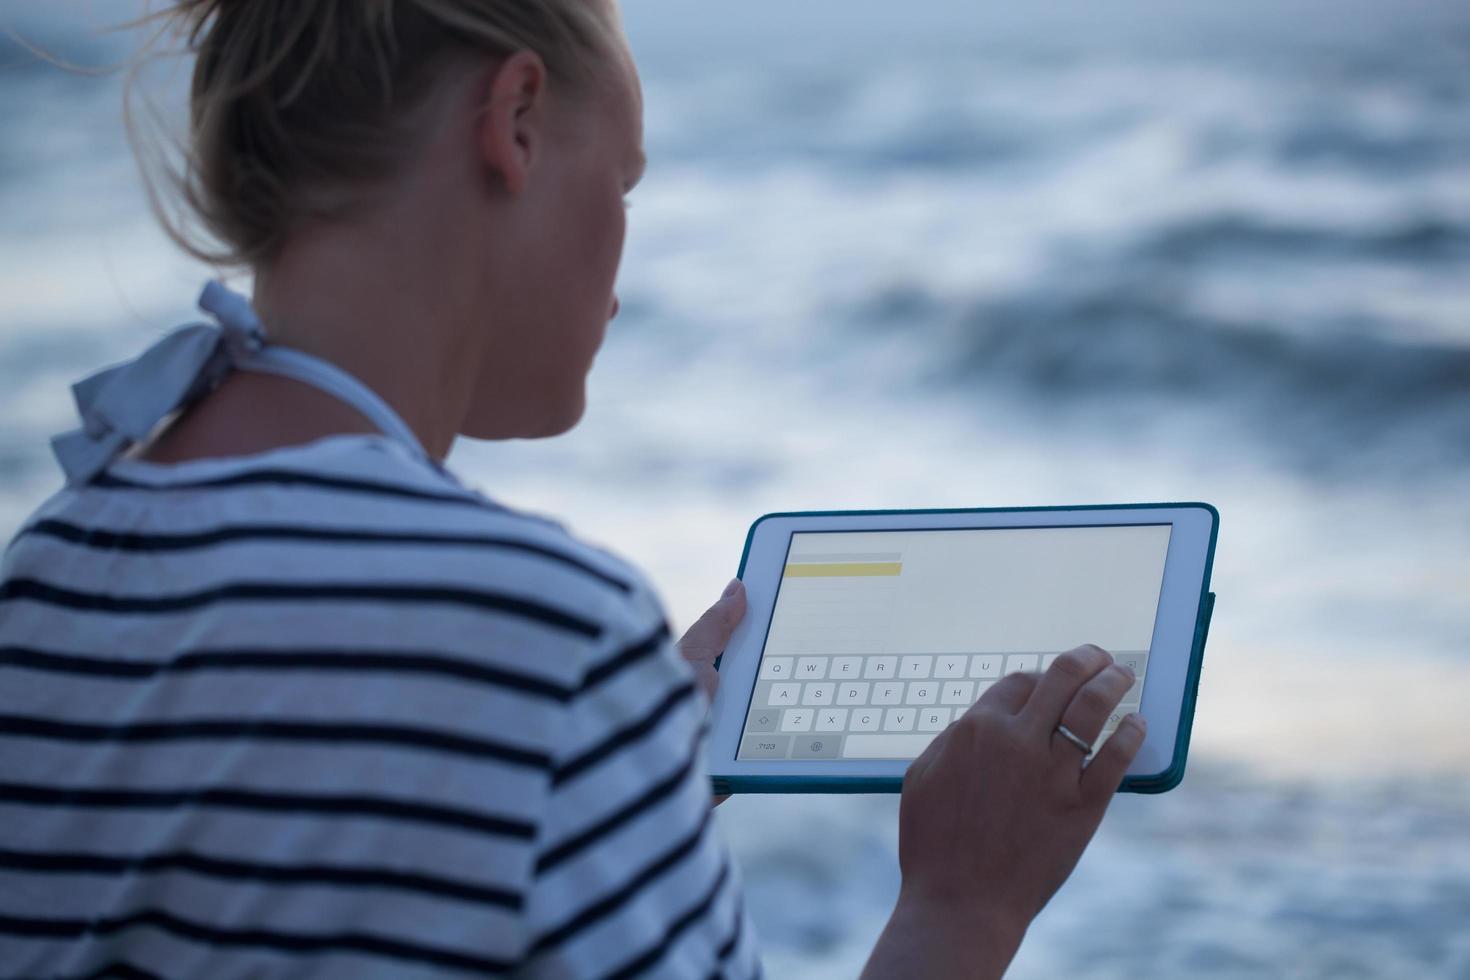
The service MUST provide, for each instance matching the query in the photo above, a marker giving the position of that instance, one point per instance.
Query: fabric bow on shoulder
(122, 405)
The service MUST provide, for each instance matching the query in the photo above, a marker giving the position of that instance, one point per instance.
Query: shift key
(762, 720)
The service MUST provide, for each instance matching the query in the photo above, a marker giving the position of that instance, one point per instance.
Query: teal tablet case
(1163, 782)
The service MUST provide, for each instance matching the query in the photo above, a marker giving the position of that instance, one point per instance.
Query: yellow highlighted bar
(841, 569)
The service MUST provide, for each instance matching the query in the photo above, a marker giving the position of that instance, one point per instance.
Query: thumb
(710, 634)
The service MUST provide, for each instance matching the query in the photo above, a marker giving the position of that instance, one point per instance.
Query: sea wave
(1230, 877)
(1103, 343)
(1125, 337)
(1211, 237)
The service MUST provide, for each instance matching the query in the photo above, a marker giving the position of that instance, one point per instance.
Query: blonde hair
(298, 107)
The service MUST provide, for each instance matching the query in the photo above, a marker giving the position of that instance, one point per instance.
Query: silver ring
(1074, 738)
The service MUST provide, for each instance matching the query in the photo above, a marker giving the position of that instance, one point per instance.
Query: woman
(281, 696)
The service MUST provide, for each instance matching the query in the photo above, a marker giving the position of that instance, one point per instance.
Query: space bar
(858, 745)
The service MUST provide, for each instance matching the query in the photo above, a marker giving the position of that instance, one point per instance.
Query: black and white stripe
(409, 593)
(102, 539)
(357, 661)
(353, 719)
(380, 877)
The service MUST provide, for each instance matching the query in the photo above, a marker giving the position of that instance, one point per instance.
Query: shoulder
(388, 548)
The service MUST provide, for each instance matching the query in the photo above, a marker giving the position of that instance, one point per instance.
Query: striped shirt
(324, 711)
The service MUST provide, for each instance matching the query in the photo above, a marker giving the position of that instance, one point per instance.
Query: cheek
(614, 230)
(599, 253)
(590, 277)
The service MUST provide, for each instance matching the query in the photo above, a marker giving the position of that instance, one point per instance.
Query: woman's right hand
(996, 813)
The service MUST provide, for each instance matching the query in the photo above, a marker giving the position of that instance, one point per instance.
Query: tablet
(868, 632)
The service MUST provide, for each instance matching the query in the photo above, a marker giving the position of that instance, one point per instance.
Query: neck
(372, 301)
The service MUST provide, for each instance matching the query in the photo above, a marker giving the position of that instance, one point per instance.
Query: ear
(512, 118)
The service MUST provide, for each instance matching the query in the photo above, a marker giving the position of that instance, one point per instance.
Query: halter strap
(123, 404)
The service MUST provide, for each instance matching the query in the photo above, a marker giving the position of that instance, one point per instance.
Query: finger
(1089, 708)
(1104, 774)
(1060, 684)
(1010, 693)
(706, 677)
(710, 634)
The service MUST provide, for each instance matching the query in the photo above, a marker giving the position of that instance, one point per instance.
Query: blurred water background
(934, 254)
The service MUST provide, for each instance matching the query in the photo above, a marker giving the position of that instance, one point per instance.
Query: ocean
(934, 255)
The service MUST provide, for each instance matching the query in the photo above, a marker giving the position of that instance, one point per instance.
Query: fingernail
(731, 589)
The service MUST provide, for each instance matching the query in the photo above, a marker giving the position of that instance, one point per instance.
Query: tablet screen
(879, 639)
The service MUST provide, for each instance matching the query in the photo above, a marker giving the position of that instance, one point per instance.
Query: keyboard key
(785, 695)
(933, 719)
(888, 692)
(831, 720)
(1120, 712)
(811, 668)
(853, 693)
(1048, 659)
(846, 668)
(796, 720)
(865, 719)
(1137, 661)
(981, 687)
(764, 746)
(776, 668)
(1016, 662)
(898, 720)
(958, 692)
(951, 665)
(816, 747)
(762, 720)
(884, 746)
(922, 692)
(915, 666)
(880, 668)
(986, 665)
(818, 694)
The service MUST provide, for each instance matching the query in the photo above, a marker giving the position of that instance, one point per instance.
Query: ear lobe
(511, 119)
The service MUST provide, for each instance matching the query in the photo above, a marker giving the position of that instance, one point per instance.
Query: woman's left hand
(708, 637)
